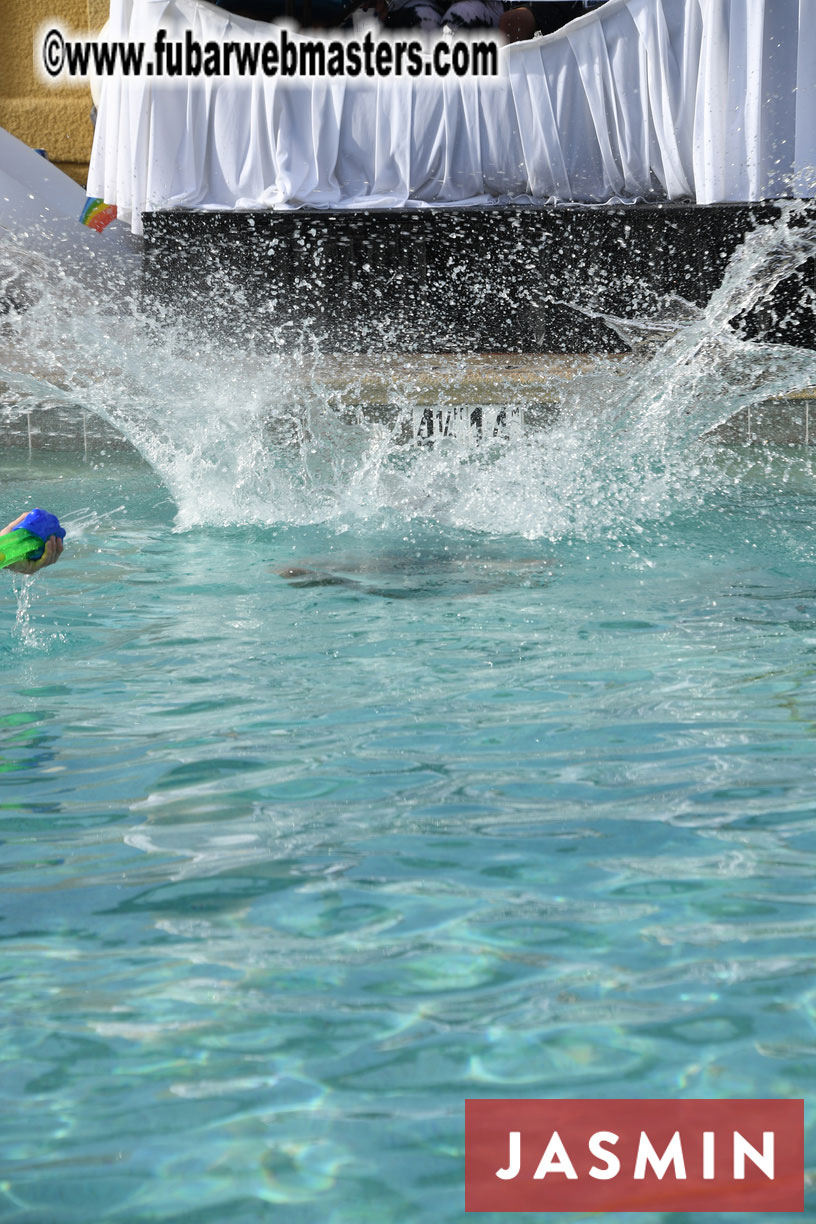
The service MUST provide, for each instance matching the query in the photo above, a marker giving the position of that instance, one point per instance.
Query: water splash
(29, 635)
(23, 628)
(292, 436)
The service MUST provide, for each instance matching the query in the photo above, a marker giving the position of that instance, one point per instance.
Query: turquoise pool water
(293, 866)
(342, 779)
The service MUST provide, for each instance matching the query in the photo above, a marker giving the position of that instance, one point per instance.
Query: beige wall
(57, 120)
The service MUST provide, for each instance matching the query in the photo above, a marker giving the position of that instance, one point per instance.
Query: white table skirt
(707, 100)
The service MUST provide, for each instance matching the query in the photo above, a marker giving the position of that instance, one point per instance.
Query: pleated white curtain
(707, 100)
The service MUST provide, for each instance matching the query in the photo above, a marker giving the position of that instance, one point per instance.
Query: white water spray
(290, 437)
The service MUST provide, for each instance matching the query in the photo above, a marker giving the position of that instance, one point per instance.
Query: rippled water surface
(343, 778)
(295, 862)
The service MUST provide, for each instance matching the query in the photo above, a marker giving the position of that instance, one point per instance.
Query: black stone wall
(516, 278)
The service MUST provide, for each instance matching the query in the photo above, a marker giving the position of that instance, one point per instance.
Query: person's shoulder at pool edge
(51, 552)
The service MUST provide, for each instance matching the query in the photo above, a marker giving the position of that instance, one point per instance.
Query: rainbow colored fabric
(97, 214)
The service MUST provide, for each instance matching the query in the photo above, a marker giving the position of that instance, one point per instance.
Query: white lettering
(672, 1155)
(609, 1158)
(514, 1162)
(763, 1160)
(555, 1160)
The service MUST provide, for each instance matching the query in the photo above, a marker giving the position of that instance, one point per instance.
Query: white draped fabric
(707, 100)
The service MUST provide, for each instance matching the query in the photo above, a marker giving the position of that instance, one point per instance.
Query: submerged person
(51, 552)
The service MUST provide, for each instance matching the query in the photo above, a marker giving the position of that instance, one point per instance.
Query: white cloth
(708, 100)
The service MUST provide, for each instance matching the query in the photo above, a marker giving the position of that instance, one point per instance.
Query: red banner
(690, 1155)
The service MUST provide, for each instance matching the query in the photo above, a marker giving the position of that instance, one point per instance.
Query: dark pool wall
(518, 278)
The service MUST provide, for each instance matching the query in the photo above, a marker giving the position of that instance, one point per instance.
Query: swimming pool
(345, 778)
